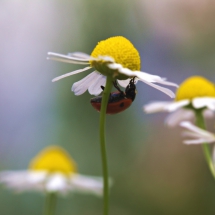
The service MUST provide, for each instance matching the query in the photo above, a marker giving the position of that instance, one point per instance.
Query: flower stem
(50, 203)
(105, 97)
(206, 149)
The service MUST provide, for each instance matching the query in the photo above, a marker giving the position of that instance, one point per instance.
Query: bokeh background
(153, 172)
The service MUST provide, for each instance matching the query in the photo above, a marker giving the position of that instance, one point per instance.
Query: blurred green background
(153, 172)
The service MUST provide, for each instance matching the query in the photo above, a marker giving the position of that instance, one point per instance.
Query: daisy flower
(195, 93)
(115, 57)
(197, 134)
(52, 171)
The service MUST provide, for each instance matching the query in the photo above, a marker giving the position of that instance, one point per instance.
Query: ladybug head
(130, 90)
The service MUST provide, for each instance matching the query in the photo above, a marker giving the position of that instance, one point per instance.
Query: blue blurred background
(153, 172)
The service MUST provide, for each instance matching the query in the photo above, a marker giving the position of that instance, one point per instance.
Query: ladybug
(119, 100)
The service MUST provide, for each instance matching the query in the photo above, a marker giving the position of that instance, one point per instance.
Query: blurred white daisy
(52, 171)
(115, 57)
(197, 134)
(195, 93)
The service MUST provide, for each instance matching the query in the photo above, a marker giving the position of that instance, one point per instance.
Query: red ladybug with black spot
(118, 101)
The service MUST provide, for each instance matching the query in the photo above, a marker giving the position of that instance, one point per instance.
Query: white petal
(114, 66)
(200, 135)
(167, 83)
(127, 72)
(190, 134)
(95, 87)
(179, 115)
(177, 105)
(156, 107)
(81, 86)
(201, 102)
(148, 77)
(108, 59)
(164, 106)
(162, 89)
(124, 83)
(23, 180)
(56, 183)
(152, 78)
(87, 184)
(145, 77)
(141, 75)
(67, 58)
(36, 177)
(188, 125)
(70, 73)
(196, 141)
(80, 55)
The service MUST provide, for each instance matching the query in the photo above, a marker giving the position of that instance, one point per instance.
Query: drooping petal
(81, 86)
(196, 141)
(95, 87)
(143, 76)
(81, 55)
(107, 59)
(68, 58)
(196, 130)
(124, 83)
(177, 105)
(71, 73)
(115, 66)
(200, 135)
(154, 107)
(201, 102)
(179, 115)
(148, 77)
(167, 83)
(23, 180)
(164, 106)
(162, 89)
(87, 184)
(56, 183)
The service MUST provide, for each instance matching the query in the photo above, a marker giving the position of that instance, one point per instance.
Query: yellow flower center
(120, 49)
(193, 87)
(53, 159)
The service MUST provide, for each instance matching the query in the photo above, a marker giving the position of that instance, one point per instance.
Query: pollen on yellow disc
(53, 159)
(121, 50)
(195, 86)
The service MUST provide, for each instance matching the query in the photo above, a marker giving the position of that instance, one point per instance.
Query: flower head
(195, 87)
(52, 170)
(194, 93)
(115, 57)
(114, 47)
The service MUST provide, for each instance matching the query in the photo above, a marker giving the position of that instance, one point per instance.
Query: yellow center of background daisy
(121, 50)
(53, 159)
(193, 87)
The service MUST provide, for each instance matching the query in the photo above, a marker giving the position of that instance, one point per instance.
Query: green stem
(206, 149)
(105, 97)
(50, 203)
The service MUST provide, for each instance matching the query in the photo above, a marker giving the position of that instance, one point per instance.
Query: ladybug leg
(132, 81)
(103, 88)
(117, 87)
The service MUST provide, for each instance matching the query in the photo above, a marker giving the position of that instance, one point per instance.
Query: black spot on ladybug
(122, 104)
